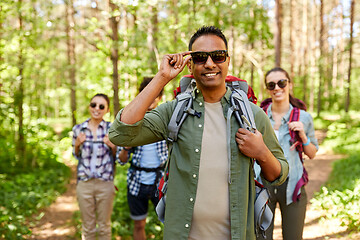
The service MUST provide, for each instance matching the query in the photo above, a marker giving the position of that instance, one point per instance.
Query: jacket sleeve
(264, 126)
(152, 128)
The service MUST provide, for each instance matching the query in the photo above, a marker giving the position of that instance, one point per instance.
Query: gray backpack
(240, 107)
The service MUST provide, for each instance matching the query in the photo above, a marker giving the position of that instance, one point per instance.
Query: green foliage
(23, 194)
(340, 197)
(26, 185)
(321, 123)
(343, 135)
(40, 143)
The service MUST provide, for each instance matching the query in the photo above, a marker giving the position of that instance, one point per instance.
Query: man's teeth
(210, 74)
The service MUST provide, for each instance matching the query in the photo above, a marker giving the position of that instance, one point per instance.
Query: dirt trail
(56, 222)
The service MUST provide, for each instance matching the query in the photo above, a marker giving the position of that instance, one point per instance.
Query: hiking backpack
(295, 143)
(240, 106)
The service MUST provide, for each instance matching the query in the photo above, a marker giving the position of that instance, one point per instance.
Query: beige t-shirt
(211, 217)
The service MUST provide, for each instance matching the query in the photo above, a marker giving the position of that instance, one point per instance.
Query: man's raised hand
(172, 64)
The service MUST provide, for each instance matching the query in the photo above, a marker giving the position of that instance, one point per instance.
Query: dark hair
(294, 101)
(207, 30)
(103, 96)
(145, 82)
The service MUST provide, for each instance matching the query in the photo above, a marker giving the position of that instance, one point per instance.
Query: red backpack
(295, 142)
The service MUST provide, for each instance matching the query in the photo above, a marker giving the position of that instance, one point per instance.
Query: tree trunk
(341, 68)
(70, 42)
(311, 42)
(352, 17)
(278, 33)
(114, 23)
(304, 41)
(292, 44)
(152, 40)
(321, 59)
(337, 55)
(175, 13)
(19, 98)
(1, 46)
(252, 45)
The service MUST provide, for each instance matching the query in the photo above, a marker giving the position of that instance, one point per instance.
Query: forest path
(56, 224)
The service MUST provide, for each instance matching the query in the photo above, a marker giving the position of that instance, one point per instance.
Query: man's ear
(189, 66)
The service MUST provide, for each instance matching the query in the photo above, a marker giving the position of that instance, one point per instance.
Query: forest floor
(56, 222)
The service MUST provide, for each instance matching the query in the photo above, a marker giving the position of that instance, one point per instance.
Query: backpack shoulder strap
(297, 143)
(241, 107)
(294, 116)
(295, 138)
(183, 108)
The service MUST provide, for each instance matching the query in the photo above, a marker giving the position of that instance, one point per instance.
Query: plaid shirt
(105, 162)
(133, 176)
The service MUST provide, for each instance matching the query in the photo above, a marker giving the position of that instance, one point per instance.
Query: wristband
(307, 143)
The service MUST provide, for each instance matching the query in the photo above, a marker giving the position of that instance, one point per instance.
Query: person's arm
(171, 65)
(309, 150)
(112, 146)
(124, 154)
(253, 146)
(308, 147)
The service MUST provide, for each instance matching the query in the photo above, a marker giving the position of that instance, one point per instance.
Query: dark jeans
(292, 215)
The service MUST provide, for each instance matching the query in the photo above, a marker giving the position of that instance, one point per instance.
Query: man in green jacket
(211, 189)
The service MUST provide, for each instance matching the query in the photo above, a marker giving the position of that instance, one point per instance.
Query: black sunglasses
(101, 106)
(281, 83)
(218, 56)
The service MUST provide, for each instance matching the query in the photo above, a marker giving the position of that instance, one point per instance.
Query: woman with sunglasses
(279, 108)
(95, 172)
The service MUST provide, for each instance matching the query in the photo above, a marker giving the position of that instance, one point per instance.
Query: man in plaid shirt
(146, 169)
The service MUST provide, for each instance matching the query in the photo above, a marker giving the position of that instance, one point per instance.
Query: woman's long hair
(293, 101)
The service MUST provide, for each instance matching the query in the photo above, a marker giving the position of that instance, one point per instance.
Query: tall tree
(70, 43)
(252, 45)
(321, 59)
(337, 56)
(152, 38)
(293, 16)
(19, 98)
(304, 41)
(114, 24)
(175, 14)
(352, 17)
(311, 41)
(278, 33)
